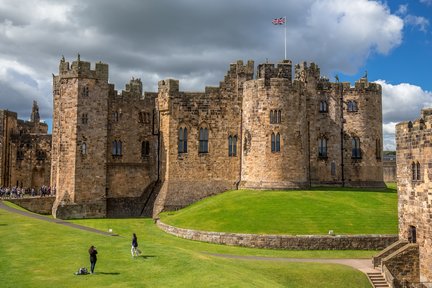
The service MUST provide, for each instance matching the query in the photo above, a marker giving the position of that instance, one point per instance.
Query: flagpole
(285, 37)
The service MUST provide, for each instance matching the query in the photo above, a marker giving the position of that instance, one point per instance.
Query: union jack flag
(279, 21)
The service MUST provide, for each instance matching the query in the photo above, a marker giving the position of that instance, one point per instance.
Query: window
(116, 148)
(85, 91)
(203, 140)
(115, 116)
(275, 116)
(352, 106)
(145, 149)
(84, 118)
(323, 106)
(418, 171)
(378, 148)
(20, 155)
(83, 148)
(322, 147)
(232, 146)
(182, 140)
(275, 142)
(40, 155)
(414, 171)
(144, 117)
(356, 152)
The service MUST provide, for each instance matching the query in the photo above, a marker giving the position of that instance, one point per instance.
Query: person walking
(93, 258)
(134, 249)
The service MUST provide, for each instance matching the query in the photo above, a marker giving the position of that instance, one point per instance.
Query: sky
(194, 41)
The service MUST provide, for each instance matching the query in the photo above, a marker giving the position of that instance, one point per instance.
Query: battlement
(364, 84)
(82, 69)
(425, 122)
(303, 71)
(134, 86)
(168, 85)
(282, 70)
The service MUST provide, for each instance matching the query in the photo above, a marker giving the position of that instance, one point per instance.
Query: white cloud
(401, 102)
(402, 10)
(418, 21)
(427, 2)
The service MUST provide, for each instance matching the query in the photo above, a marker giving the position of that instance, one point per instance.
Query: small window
(85, 91)
(145, 149)
(84, 118)
(20, 155)
(115, 116)
(275, 116)
(232, 146)
(414, 171)
(352, 106)
(418, 172)
(116, 148)
(378, 149)
(275, 142)
(182, 140)
(356, 152)
(323, 107)
(40, 155)
(84, 148)
(322, 147)
(203, 140)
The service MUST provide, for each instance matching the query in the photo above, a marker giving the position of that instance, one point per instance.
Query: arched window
(356, 152)
(279, 116)
(85, 91)
(352, 106)
(84, 149)
(322, 147)
(272, 117)
(182, 140)
(232, 146)
(203, 140)
(414, 171)
(275, 142)
(323, 106)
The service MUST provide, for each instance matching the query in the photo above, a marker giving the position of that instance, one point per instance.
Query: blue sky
(194, 41)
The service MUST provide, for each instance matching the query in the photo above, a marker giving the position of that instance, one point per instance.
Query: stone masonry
(25, 150)
(280, 128)
(414, 181)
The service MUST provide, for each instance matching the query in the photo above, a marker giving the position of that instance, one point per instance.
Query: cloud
(193, 41)
(402, 10)
(401, 102)
(427, 2)
(417, 21)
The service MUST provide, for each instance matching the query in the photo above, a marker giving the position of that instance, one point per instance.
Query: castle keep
(131, 153)
(25, 150)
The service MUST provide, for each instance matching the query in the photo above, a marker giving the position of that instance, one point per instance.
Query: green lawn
(343, 210)
(35, 253)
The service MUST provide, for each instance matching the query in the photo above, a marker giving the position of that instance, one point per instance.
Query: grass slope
(41, 254)
(343, 210)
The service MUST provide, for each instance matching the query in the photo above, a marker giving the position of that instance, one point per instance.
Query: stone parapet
(40, 205)
(303, 242)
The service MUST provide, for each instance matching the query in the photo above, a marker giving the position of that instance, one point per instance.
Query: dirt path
(364, 265)
(53, 220)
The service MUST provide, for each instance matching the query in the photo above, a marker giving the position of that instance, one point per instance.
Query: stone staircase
(377, 280)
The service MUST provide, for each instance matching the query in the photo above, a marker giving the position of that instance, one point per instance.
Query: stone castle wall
(239, 109)
(414, 175)
(25, 152)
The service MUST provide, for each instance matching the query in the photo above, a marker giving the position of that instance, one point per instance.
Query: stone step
(377, 280)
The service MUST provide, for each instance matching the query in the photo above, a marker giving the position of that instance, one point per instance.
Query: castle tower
(78, 171)
(273, 120)
(35, 118)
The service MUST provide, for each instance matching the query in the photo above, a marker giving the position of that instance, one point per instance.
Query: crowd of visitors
(18, 192)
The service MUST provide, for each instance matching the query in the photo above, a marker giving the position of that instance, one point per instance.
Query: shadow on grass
(107, 273)
(146, 256)
(1, 224)
(353, 189)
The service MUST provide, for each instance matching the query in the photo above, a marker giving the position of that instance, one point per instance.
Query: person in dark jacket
(93, 258)
(134, 249)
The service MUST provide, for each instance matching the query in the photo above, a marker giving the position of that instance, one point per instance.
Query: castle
(25, 146)
(133, 153)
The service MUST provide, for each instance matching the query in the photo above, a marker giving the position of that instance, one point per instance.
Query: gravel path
(53, 220)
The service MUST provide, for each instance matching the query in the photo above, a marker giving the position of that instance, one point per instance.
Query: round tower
(274, 152)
